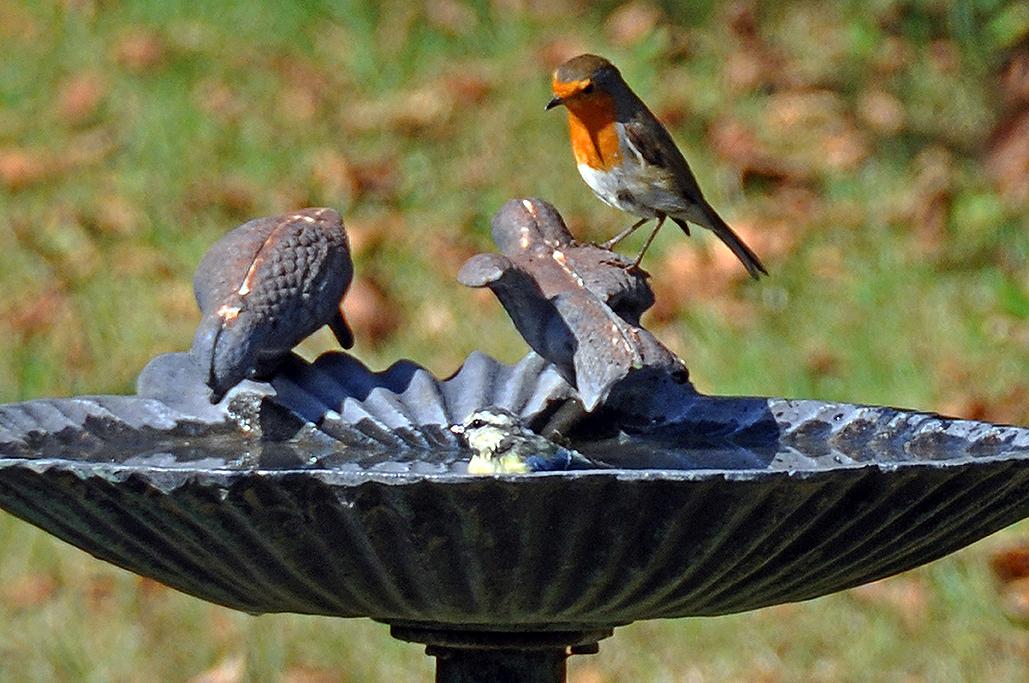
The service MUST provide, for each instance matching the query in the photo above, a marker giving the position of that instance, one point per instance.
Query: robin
(628, 158)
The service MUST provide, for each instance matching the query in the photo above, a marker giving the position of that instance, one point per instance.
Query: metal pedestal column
(502, 657)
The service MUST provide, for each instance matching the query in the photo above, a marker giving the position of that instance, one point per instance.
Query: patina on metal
(264, 288)
(578, 306)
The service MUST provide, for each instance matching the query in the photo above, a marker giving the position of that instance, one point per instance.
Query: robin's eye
(588, 89)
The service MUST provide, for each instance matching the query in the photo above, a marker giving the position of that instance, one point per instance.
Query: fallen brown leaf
(234, 195)
(98, 591)
(1008, 407)
(79, 98)
(844, 149)
(332, 177)
(176, 301)
(881, 111)
(929, 203)
(449, 250)
(411, 112)
(61, 240)
(1014, 78)
(905, 596)
(692, 274)
(37, 312)
(753, 64)
(586, 673)
(115, 215)
(368, 233)
(371, 314)
(20, 168)
(466, 86)
(298, 105)
(632, 22)
(1014, 600)
(218, 99)
(893, 55)
(1007, 158)
(232, 669)
(945, 56)
(150, 589)
(451, 16)
(739, 146)
(139, 50)
(17, 24)
(1011, 563)
(29, 590)
(821, 362)
(555, 52)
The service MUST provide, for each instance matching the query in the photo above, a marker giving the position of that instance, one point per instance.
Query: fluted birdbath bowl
(330, 489)
(754, 502)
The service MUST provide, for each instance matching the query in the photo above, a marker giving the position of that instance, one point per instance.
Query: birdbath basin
(756, 502)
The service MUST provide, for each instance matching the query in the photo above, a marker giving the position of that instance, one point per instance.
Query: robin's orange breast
(591, 124)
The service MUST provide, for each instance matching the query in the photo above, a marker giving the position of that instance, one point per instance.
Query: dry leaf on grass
(632, 22)
(21, 167)
(113, 215)
(881, 111)
(369, 233)
(1007, 158)
(1014, 78)
(29, 591)
(906, 596)
(371, 314)
(36, 312)
(1011, 563)
(79, 98)
(1011, 568)
(232, 669)
(451, 16)
(586, 673)
(140, 50)
(556, 52)
(311, 674)
(234, 195)
(732, 141)
(98, 590)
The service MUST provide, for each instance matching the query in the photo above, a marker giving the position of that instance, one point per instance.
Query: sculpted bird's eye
(477, 423)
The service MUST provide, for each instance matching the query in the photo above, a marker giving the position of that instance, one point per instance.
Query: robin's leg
(624, 233)
(660, 222)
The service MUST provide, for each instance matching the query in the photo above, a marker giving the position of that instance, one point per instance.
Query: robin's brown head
(582, 78)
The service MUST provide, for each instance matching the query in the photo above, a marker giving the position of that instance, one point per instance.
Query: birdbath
(327, 488)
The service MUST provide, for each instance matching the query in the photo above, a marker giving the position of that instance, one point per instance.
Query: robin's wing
(658, 149)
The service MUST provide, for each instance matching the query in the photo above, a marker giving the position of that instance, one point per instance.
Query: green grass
(134, 134)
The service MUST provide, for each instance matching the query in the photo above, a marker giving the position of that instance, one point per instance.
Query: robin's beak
(556, 102)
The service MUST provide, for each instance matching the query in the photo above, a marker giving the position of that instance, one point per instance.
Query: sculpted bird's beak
(556, 102)
(457, 429)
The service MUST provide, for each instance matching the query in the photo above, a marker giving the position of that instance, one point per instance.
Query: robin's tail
(715, 224)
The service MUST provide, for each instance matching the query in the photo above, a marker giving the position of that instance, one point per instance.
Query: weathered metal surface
(511, 657)
(577, 305)
(266, 286)
(401, 407)
(780, 501)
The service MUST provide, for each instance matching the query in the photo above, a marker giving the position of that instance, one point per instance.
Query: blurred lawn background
(876, 155)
